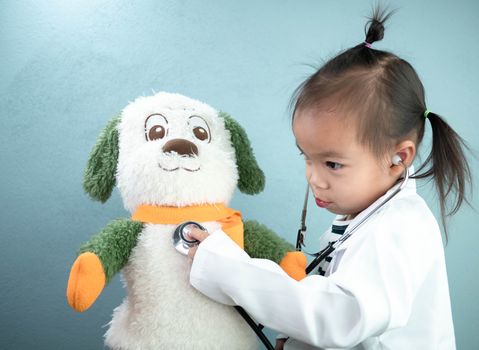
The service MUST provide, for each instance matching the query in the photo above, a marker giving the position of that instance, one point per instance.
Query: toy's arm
(99, 260)
(261, 242)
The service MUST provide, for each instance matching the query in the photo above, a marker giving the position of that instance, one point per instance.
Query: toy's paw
(294, 264)
(86, 281)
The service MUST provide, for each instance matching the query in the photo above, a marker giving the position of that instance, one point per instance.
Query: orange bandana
(229, 218)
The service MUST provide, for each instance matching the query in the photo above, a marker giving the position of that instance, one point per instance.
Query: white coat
(386, 286)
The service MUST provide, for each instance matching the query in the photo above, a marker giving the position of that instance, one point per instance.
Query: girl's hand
(200, 235)
(280, 344)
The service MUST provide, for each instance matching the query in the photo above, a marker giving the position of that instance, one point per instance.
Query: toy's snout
(182, 147)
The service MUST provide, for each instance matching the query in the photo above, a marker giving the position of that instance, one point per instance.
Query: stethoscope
(332, 246)
(182, 242)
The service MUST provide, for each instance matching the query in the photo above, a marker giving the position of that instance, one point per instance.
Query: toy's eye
(200, 133)
(156, 127)
(199, 128)
(156, 132)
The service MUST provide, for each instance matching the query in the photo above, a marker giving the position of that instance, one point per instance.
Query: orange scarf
(229, 218)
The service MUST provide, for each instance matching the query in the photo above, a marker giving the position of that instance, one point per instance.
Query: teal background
(68, 66)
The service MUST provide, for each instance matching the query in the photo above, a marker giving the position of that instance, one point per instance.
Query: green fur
(251, 177)
(261, 242)
(99, 177)
(114, 244)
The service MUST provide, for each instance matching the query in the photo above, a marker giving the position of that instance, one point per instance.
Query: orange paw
(86, 281)
(294, 264)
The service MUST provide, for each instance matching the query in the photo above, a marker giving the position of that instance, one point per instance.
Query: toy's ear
(99, 177)
(251, 177)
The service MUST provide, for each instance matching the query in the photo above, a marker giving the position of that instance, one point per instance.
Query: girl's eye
(334, 165)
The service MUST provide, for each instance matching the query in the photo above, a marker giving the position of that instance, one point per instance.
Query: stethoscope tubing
(332, 246)
(319, 257)
(182, 243)
(257, 328)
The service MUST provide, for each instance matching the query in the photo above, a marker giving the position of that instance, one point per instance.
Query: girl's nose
(316, 180)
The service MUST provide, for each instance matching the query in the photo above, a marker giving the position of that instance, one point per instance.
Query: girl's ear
(407, 151)
(99, 177)
(251, 177)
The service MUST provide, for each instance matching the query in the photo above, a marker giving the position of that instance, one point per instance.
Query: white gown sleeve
(314, 310)
(370, 293)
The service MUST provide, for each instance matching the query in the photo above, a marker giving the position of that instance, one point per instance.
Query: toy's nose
(181, 146)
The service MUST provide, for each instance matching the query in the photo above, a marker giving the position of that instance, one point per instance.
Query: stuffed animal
(173, 159)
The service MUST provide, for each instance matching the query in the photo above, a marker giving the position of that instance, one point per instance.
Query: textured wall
(68, 66)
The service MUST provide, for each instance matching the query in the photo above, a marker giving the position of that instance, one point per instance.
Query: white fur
(162, 310)
(140, 178)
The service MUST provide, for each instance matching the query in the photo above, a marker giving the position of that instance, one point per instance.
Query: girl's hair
(384, 97)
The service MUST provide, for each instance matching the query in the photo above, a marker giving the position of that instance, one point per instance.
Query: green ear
(99, 177)
(251, 177)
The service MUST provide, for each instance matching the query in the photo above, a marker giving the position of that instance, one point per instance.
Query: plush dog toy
(173, 159)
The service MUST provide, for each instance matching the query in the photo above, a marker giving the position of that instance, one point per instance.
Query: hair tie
(368, 45)
(426, 113)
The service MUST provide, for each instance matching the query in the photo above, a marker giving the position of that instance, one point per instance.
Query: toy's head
(171, 150)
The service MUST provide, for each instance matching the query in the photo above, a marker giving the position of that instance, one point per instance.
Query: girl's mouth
(322, 204)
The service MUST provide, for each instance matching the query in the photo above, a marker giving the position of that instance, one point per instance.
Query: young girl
(358, 121)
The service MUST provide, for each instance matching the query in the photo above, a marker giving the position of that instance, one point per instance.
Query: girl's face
(344, 175)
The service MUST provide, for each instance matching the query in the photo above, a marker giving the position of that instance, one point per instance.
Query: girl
(358, 121)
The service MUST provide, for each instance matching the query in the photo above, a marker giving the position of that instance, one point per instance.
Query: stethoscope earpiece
(396, 159)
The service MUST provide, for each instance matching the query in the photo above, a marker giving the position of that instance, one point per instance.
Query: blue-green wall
(66, 67)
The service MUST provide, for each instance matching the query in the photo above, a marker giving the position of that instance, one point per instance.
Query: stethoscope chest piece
(182, 241)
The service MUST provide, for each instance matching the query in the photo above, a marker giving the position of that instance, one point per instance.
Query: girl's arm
(371, 293)
(309, 310)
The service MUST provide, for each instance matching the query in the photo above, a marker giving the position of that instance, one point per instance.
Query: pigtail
(448, 166)
(374, 28)
(364, 54)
